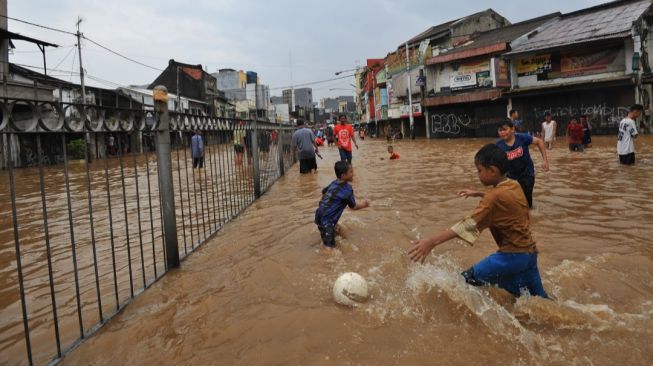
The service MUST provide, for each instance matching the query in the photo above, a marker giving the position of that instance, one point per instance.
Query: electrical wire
(121, 55)
(65, 57)
(37, 25)
(312, 83)
(72, 68)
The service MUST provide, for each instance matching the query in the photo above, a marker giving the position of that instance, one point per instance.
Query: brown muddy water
(259, 293)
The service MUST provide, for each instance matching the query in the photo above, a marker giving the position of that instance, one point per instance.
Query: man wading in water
(345, 134)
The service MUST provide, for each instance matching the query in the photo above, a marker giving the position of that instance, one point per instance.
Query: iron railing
(82, 209)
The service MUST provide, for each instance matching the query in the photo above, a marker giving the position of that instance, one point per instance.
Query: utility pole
(81, 68)
(410, 97)
(292, 89)
(89, 142)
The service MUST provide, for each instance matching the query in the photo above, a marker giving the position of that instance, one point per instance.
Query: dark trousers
(198, 162)
(527, 183)
(628, 159)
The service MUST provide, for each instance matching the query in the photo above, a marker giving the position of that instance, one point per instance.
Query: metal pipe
(92, 226)
(39, 154)
(73, 245)
(19, 266)
(164, 163)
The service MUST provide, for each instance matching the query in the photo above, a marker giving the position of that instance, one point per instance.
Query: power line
(65, 57)
(37, 25)
(72, 67)
(121, 55)
(86, 38)
(312, 82)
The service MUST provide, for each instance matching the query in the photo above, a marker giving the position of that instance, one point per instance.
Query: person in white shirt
(627, 133)
(549, 129)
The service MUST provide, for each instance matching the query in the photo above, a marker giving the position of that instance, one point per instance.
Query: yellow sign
(535, 64)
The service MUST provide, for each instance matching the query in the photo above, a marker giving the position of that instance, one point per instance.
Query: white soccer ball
(349, 289)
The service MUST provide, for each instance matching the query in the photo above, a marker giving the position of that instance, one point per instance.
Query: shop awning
(579, 85)
(477, 96)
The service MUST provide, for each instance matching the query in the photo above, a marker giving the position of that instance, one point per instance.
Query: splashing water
(444, 275)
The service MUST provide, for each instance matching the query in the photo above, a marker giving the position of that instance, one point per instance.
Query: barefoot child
(335, 197)
(504, 210)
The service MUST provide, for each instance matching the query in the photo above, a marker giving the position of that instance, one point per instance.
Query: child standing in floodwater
(504, 210)
(335, 197)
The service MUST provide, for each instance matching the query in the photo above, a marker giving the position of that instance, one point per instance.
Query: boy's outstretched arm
(470, 193)
(362, 205)
(422, 248)
(540, 145)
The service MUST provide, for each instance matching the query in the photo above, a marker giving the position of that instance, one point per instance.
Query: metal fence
(83, 202)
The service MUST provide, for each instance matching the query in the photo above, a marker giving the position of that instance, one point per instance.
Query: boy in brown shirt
(504, 210)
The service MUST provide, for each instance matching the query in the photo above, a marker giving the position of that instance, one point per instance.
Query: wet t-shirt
(303, 139)
(504, 210)
(627, 131)
(335, 197)
(520, 163)
(344, 134)
(575, 133)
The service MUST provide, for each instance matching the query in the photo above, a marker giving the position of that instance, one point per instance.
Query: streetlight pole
(410, 97)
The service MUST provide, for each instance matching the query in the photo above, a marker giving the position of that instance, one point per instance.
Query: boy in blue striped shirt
(335, 197)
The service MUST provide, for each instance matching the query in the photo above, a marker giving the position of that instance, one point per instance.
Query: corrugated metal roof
(499, 35)
(443, 29)
(611, 20)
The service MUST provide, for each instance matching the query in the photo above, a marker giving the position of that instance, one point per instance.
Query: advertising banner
(502, 73)
(592, 61)
(533, 65)
(404, 110)
(467, 75)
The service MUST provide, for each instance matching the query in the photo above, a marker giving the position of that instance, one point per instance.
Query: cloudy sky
(320, 37)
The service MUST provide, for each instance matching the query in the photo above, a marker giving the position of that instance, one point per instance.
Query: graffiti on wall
(606, 116)
(449, 123)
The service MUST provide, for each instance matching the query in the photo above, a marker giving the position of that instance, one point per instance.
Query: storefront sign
(404, 110)
(467, 75)
(384, 97)
(483, 79)
(592, 62)
(532, 65)
(502, 73)
(462, 80)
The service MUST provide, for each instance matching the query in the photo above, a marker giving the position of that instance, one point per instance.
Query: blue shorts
(345, 155)
(509, 271)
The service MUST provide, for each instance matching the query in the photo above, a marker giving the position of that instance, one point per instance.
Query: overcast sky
(321, 37)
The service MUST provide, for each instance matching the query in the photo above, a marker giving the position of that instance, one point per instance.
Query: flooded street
(260, 291)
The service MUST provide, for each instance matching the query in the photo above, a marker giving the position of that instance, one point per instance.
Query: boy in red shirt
(345, 134)
(393, 154)
(575, 135)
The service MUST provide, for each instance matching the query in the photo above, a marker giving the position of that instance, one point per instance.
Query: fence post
(255, 161)
(164, 165)
(282, 168)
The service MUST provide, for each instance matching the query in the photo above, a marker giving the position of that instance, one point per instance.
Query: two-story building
(407, 64)
(582, 63)
(465, 84)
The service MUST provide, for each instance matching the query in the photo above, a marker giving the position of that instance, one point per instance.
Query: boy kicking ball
(504, 210)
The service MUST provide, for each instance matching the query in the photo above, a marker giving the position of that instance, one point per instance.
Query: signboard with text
(470, 74)
(404, 110)
(533, 65)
